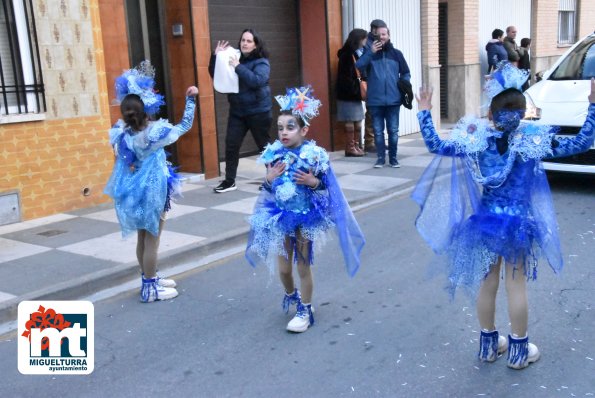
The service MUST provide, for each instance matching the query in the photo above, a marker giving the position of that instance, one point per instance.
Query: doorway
(144, 20)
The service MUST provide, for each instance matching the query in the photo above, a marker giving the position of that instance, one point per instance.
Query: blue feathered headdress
(504, 77)
(140, 81)
(301, 102)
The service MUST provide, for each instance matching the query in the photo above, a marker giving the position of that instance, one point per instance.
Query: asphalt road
(388, 332)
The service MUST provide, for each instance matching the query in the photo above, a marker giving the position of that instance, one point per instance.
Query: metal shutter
(277, 23)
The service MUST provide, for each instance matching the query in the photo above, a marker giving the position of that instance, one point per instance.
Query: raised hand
(274, 171)
(376, 46)
(221, 45)
(191, 91)
(302, 178)
(234, 61)
(424, 99)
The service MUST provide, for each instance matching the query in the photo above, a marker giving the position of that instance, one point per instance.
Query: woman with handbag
(350, 91)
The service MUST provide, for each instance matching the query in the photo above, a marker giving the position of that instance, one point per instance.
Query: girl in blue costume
(143, 182)
(300, 202)
(497, 205)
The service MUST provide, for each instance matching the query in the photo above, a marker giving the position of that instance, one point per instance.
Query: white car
(560, 99)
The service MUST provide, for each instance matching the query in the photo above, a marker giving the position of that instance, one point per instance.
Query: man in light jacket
(384, 65)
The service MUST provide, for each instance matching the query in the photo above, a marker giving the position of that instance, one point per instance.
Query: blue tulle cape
(328, 210)
(471, 226)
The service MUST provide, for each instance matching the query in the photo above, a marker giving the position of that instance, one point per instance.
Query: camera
(376, 37)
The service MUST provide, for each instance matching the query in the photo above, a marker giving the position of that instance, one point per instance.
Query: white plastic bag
(225, 79)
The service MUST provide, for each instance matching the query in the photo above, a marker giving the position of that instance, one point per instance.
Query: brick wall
(463, 24)
(50, 162)
(429, 29)
(586, 15)
(544, 30)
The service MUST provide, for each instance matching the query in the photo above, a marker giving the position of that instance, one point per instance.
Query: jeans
(259, 125)
(390, 114)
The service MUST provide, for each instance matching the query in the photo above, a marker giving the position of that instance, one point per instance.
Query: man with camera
(369, 145)
(384, 66)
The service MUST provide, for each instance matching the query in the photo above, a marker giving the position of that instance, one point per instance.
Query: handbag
(406, 93)
(363, 85)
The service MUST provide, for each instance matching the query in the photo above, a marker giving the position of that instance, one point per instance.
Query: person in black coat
(350, 110)
(250, 108)
(525, 60)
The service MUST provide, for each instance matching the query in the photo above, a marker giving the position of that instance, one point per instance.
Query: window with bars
(567, 22)
(21, 83)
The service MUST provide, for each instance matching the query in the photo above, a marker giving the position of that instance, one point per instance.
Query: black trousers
(259, 125)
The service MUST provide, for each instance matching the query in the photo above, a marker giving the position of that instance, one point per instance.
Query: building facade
(59, 59)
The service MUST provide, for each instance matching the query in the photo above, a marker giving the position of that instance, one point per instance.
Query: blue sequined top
(290, 196)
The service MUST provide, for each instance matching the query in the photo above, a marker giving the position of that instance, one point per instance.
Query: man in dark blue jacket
(495, 49)
(384, 65)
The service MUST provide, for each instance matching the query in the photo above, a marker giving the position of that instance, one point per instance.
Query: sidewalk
(76, 254)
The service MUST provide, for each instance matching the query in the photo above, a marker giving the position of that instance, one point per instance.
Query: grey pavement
(388, 332)
(78, 254)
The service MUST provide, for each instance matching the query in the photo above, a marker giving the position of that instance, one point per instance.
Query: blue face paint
(507, 120)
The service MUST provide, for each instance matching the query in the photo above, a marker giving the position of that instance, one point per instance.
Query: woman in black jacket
(250, 108)
(349, 98)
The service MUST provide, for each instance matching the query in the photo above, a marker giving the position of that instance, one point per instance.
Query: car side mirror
(539, 76)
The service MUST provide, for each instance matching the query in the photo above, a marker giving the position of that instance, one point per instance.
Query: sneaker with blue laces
(151, 291)
(291, 299)
(303, 319)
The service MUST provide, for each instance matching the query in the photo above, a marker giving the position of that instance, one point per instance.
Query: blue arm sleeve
(259, 77)
(433, 142)
(364, 60)
(579, 143)
(168, 136)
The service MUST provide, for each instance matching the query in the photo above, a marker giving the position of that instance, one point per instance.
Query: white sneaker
(502, 345)
(302, 320)
(486, 344)
(152, 291)
(521, 353)
(163, 282)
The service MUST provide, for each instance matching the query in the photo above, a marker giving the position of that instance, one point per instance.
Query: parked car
(560, 99)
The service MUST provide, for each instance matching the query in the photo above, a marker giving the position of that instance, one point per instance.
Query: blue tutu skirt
(476, 230)
(141, 195)
(271, 225)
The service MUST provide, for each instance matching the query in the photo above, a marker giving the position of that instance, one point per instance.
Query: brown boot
(351, 150)
(358, 148)
(369, 143)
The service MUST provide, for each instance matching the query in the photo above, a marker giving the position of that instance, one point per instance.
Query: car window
(589, 64)
(572, 66)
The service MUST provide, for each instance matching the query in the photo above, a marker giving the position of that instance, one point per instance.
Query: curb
(88, 284)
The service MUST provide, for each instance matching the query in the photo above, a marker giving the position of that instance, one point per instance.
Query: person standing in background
(369, 145)
(350, 111)
(250, 108)
(495, 49)
(525, 60)
(384, 66)
(513, 50)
